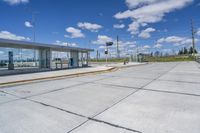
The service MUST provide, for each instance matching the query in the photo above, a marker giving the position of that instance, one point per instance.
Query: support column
(45, 56)
(87, 60)
(82, 59)
(10, 62)
(74, 59)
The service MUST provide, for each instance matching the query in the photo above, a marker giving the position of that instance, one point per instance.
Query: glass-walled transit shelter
(44, 56)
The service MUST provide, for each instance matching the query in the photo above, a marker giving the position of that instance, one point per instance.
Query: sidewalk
(22, 78)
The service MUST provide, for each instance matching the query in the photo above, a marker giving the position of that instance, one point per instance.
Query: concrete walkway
(4, 80)
(21, 78)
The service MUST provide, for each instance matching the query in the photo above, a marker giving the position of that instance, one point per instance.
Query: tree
(185, 51)
(191, 50)
(157, 53)
(180, 52)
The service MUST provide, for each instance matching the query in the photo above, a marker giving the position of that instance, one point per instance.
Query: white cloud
(16, 2)
(167, 51)
(128, 43)
(134, 28)
(146, 47)
(11, 36)
(135, 3)
(158, 45)
(149, 11)
(75, 33)
(147, 33)
(2, 52)
(28, 24)
(102, 47)
(90, 26)
(125, 45)
(172, 39)
(198, 32)
(119, 26)
(154, 12)
(66, 44)
(176, 40)
(102, 39)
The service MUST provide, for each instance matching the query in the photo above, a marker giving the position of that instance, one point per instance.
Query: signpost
(106, 50)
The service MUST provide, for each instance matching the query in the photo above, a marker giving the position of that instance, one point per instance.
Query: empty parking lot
(153, 98)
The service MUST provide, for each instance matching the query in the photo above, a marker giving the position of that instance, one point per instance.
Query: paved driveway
(153, 98)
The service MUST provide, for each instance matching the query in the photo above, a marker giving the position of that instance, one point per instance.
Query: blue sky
(148, 24)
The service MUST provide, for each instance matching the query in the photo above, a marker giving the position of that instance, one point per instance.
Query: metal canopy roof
(31, 45)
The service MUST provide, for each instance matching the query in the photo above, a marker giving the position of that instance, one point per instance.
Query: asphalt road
(153, 98)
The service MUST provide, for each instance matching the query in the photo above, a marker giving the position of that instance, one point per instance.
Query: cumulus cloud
(118, 26)
(66, 44)
(158, 45)
(135, 3)
(28, 24)
(102, 39)
(11, 36)
(176, 40)
(146, 47)
(102, 47)
(89, 26)
(147, 33)
(198, 32)
(149, 11)
(134, 28)
(124, 46)
(16, 2)
(74, 33)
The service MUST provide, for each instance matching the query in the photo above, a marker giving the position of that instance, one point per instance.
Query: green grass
(110, 60)
(169, 59)
(151, 59)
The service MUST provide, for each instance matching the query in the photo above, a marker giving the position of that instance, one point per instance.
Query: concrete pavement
(153, 98)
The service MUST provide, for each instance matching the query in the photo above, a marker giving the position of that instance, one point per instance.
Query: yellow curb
(55, 77)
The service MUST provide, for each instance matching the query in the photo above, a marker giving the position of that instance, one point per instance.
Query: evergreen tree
(191, 50)
(185, 51)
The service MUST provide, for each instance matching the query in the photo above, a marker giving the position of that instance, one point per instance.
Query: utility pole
(193, 36)
(137, 51)
(97, 55)
(118, 54)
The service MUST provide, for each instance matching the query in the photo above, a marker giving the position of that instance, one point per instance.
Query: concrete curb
(6, 84)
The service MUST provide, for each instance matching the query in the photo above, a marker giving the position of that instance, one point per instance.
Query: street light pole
(34, 36)
(106, 51)
(106, 55)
